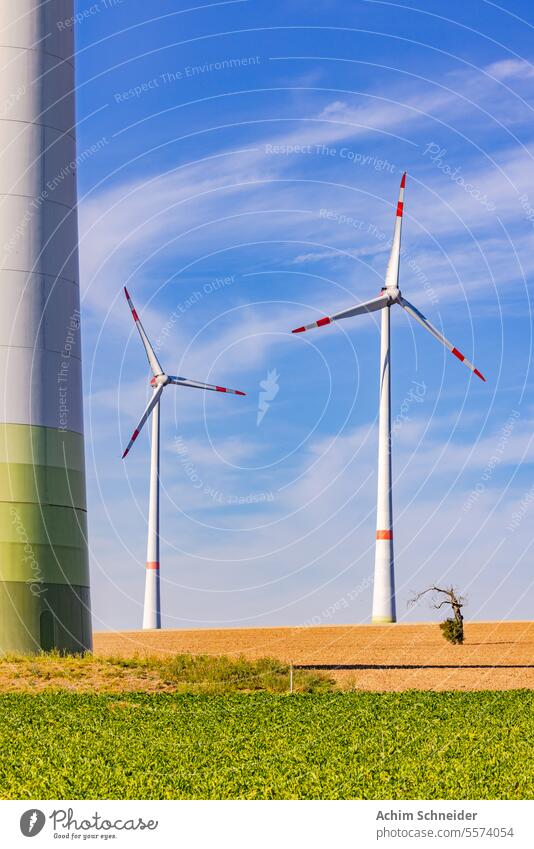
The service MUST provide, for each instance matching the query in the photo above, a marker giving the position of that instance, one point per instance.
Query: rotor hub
(393, 293)
(159, 380)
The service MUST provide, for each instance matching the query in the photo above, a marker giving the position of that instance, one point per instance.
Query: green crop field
(267, 746)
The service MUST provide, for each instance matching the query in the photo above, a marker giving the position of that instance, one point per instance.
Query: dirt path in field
(495, 656)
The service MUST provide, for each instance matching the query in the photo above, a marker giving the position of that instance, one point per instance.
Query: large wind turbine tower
(384, 609)
(44, 583)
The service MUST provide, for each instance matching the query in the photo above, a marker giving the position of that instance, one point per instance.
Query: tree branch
(456, 601)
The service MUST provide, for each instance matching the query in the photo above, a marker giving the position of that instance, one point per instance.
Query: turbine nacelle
(159, 380)
(392, 293)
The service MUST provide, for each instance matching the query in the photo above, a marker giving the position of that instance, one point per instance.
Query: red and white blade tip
(130, 304)
(461, 357)
(400, 204)
(232, 391)
(320, 323)
(135, 434)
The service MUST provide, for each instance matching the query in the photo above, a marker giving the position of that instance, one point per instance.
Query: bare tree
(453, 629)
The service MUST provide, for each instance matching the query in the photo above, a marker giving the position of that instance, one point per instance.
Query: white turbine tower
(384, 579)
(152, 608)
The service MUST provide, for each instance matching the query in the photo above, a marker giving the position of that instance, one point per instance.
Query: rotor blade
(154, 363)
(414, 312)
(392, 273)
(196, 384)
(150, 406)
(368, 306)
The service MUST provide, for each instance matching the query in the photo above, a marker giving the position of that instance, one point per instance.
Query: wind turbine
(384, 577)
(152, 608)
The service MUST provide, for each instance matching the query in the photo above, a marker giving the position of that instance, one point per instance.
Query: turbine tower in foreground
(152, 608)
(44, 580)
(384, 579)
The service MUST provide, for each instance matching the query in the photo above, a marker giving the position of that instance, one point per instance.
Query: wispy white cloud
(508, 68)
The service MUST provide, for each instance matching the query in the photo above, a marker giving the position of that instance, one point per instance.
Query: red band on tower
(384, 534)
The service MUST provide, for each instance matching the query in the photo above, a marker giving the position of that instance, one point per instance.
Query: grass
(181, 673)
(410, 745)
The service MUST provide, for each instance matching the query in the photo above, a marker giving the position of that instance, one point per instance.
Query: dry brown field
(495, 655)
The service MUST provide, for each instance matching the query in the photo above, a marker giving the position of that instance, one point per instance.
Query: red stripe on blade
(135, 316)
(457, 353)
(135, 434)
(126, 293)
(221, 389)
(399, 209)
(299, 330)
(384, 534)
(237, 392)
(125, 453)
(323, 321)
(403, 181)
(481, 376)
(152, 564)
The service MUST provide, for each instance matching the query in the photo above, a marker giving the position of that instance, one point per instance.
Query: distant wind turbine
(152, 607)
(384, 578)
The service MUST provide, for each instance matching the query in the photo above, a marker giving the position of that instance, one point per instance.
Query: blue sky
(238, 169)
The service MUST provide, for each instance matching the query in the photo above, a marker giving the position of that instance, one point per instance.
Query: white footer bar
(268, 825)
